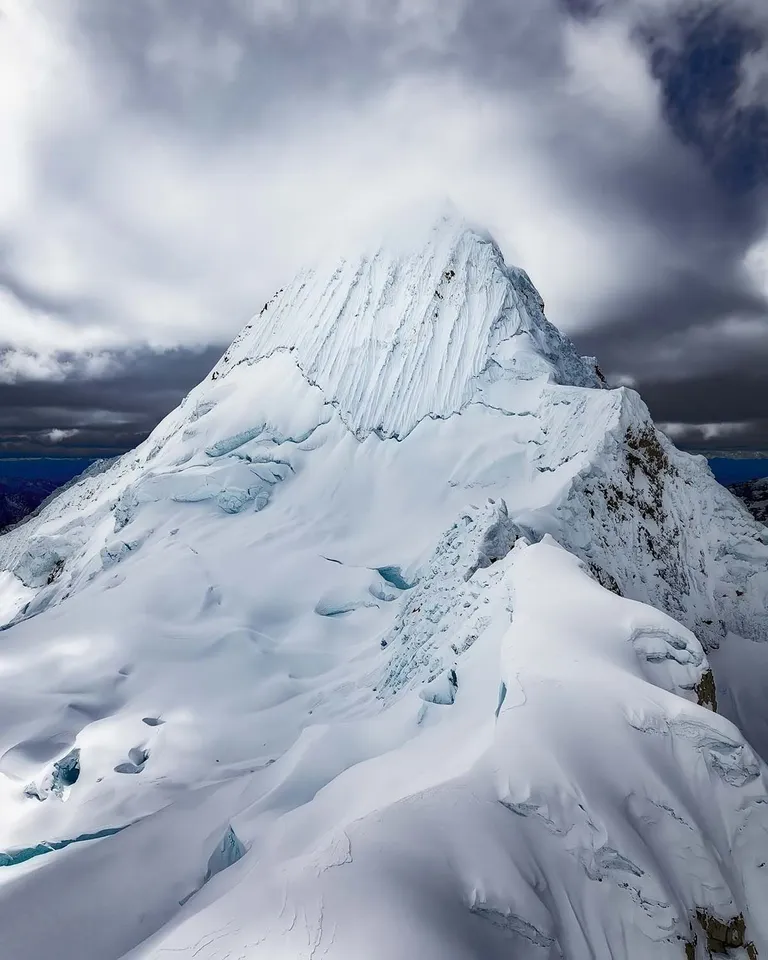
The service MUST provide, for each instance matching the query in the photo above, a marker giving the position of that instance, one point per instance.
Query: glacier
(404, 635)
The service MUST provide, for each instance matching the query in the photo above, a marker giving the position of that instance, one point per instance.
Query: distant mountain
(28, 486)
(19, 496)
(754, 493)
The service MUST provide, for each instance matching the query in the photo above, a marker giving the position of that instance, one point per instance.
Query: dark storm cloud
(202, 149)
(99, 415)
(681, 307)
(728, 438)
(702, 400)
(698, 58)
(673, 338)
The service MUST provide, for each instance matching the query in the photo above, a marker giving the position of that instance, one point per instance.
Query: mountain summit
(402, 636)
(419, 330)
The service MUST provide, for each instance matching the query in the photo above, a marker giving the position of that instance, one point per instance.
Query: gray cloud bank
(98, 414)
(169, 163)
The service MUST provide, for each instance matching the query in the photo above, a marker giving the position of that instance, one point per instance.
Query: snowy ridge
(416, 644)
(667, 532)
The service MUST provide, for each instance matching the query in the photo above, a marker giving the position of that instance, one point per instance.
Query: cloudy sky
(167, 164)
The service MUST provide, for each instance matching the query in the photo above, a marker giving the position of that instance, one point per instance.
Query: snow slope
(395, 639)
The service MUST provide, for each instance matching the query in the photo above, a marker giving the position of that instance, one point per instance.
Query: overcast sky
(167, 164)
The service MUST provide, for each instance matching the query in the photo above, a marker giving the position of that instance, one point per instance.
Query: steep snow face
(416, 644)
(397, 336)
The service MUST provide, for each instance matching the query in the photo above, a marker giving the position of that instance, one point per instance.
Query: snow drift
(403, 636)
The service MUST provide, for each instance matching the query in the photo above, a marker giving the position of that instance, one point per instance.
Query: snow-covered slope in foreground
(369, 652)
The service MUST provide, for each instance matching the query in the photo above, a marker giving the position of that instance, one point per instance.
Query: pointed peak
(409, 231)
(414, 326)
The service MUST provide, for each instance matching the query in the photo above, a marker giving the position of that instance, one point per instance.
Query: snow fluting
(403, 636)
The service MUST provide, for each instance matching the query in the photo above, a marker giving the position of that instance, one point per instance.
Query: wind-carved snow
(399, 336)
(401, 637)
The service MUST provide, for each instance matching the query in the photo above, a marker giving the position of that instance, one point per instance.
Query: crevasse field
(402, 638)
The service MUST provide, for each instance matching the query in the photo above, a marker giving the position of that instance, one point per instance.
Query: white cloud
(18, 365)
(609, 72)
(706, 431)
(622, 380)
(675, 431)
(756, 263)
(58, 436)
(157, 236)
(35, 345)
(719, 431)
(754, 79)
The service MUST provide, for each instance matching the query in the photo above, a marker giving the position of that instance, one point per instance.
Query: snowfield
(402, 637)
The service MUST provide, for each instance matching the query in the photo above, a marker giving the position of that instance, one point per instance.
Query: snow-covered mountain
(19, 496)
(402, 637)
(754, 493)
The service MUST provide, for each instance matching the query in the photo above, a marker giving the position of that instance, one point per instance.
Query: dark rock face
(721, 936)
(20, 496)
(649, 535)
(754, 494)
